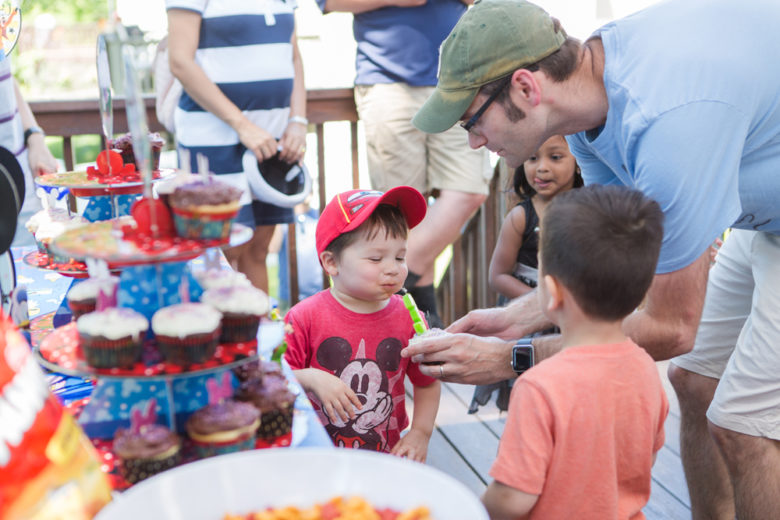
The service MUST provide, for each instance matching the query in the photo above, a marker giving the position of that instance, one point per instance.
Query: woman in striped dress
(239, 64)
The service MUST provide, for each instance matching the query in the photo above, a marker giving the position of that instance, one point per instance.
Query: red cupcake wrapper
(196, 348)
(78, 308)
(238, 328)
(101, 352)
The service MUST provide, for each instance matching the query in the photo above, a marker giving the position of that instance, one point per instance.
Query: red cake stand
(80, 185)
(73, 269)
(106, 240)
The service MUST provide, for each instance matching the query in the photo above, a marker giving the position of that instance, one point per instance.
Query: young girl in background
(513, 268)
(552, 170)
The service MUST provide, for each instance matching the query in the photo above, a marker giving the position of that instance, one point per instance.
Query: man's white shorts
(398, 153)
(738, 340)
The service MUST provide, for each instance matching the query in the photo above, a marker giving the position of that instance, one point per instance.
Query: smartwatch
(522, 355)
(30, 131)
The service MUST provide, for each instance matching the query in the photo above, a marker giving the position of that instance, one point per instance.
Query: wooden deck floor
(464, 446)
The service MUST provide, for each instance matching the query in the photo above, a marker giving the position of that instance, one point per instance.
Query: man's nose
(476, 141)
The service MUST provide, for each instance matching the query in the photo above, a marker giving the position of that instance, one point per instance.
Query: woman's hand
(38, 155)
(262, 144)
(292, 145)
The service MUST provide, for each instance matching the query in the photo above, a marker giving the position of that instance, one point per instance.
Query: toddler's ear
(329, 263)
(555, 292)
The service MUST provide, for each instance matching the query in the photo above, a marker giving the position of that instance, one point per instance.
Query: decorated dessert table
(52, 336)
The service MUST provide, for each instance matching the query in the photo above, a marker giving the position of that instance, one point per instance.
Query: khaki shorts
(399, 154)
(738, 341)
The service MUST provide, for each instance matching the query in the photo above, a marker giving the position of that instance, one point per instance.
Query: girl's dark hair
(385, 218)
(525, 191)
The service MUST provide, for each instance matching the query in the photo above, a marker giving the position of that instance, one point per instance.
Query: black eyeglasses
(468, 125)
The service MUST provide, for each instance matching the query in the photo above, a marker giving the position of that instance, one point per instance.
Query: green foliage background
(67, 10)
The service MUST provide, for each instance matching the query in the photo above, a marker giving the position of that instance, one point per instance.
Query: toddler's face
(551, 169)
(372, 270)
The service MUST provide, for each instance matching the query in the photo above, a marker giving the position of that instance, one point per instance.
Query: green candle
(414, 312)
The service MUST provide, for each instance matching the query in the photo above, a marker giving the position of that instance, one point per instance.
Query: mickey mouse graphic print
(364, 351)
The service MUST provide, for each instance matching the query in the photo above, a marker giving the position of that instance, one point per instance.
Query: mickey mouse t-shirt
(364, 351)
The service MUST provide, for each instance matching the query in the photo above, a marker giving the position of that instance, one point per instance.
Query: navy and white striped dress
(12, 138)
(245, 49)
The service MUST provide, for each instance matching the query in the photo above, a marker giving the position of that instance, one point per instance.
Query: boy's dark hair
(602, 244)
(385, 218)
(523, 188)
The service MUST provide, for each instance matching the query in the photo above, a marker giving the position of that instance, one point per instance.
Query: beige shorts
(399, 154)
(738, 341)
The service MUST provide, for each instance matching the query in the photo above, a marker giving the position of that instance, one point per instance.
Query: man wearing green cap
(682, 101)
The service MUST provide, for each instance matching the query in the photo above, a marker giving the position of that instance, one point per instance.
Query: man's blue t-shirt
(401, 44)
(694, 118)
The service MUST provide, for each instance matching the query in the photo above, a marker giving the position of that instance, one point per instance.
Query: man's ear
(329, 263)
(524, 82)
(555, 291)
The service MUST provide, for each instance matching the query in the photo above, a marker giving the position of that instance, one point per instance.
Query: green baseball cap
(491, 40)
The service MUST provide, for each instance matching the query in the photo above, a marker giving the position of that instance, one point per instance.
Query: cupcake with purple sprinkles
(187, 333)
(146, 448)
(258, 369)
(241, 308)
(204, 209)
(112, 337)
(224, 425)
(274, 401)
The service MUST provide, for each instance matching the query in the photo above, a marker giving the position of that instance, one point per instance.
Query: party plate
(248, 481)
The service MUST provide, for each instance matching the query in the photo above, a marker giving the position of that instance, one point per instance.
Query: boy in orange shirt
(584, 426)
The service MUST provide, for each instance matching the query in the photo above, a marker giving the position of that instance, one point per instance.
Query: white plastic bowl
(252, 480)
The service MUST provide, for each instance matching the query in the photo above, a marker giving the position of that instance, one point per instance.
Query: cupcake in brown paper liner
(112, 338)
(241, 308)
(187, 333)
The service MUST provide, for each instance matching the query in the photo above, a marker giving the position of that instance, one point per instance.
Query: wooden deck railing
(464, 286)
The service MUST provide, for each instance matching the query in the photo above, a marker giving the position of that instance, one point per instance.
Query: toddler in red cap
(345, 344)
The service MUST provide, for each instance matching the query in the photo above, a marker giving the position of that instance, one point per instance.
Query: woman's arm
(502, 264)
(38, 155)
(293, 141)
(183, 37)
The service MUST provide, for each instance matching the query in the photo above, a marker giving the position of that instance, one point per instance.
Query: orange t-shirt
(581, 433)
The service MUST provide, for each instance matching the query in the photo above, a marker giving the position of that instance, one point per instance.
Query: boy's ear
(328, 261)
(555, 291)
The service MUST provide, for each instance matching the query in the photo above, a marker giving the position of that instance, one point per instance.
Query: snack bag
(48, 468)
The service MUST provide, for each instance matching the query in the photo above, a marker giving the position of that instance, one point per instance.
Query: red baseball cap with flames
(348, 210)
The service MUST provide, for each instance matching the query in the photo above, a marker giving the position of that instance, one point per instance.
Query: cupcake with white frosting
(216, 278)
(187, 333)
(241, 308)
(112, 337)
(82, 296)
(48, 224)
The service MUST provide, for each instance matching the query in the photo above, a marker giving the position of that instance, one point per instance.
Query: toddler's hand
(413, 445)
(337, 399)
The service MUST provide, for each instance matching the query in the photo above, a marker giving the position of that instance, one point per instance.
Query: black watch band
(523, 355)
(30, 131)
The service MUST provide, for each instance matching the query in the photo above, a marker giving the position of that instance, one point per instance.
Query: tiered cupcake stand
(152, 273)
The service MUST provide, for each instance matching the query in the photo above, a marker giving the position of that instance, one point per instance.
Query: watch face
(522, 358)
